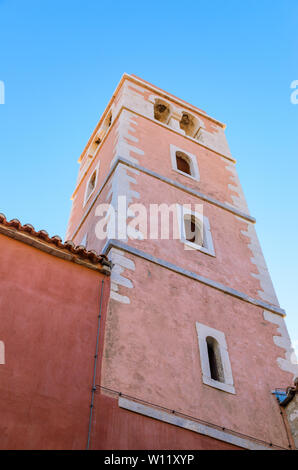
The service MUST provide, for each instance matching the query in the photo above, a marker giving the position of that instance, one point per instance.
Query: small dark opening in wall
(193, 230)
(91, 185)
(216, 369)
(191, 236)
(185, 119)
(183, 163)
(160, 108)
(92, 180)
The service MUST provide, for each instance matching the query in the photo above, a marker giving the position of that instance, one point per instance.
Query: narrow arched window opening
(215, 363)
(183, 163)
(161, 111)
(91, 185)
(193, 230)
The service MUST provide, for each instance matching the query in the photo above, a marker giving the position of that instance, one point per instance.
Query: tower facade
(195, 339)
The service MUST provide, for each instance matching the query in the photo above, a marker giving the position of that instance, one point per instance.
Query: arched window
(189, 124)
(193, 230)
(183, 163)
(215, 364)
(91, 185)
(161, 111)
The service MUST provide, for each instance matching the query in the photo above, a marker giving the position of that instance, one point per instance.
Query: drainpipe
(93, 390)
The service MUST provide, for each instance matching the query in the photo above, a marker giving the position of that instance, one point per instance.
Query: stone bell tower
(195, 339)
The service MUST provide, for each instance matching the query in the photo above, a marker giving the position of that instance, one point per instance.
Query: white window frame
(194, 168)
(203, 332)
(87, 198)
(207, 237)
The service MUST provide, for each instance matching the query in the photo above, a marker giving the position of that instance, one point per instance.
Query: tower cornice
(154, 89)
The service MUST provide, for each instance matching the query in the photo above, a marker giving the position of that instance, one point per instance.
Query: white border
(203, 332)
(194, 168)
(207, 237)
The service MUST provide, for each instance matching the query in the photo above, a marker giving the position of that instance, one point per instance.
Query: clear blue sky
(61, 61)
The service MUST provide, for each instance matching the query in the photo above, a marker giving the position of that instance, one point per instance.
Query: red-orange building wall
(49, 316)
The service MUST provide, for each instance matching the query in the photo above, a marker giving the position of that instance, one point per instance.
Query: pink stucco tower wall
(170, 297)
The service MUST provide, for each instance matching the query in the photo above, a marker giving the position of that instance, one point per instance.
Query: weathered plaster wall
(237, 263)
(134, 431)
(232, 263)
(151, 351)
(155, 140)
(146, 143)
(49, 314)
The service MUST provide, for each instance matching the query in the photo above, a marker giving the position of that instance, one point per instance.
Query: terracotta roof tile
(69, 246)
